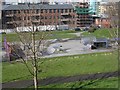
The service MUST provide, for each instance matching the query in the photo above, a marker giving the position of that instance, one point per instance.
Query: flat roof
(101, 40)
(37, 6)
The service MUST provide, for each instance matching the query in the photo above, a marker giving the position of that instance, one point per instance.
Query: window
(45, 17)
(7, 12)
(69, 10)
(41, 17)
(28, 18)
(65, 10)
(50, 11)
(50, 23)
(41, 10)
(25, 18)
(58, 10)
(45, 10)
(11, 12)
(61, 10)
(27, 11)
(37, 11)
(14, 12)
(37, 17)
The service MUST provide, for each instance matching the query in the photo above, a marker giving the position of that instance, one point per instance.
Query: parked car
(77, 29)
(86, 29)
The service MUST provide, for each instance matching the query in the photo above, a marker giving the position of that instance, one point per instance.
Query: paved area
(54, 80)
(71, 47)
(74, 47)
(2, 53)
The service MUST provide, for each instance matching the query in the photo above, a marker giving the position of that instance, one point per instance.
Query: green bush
(3, 32)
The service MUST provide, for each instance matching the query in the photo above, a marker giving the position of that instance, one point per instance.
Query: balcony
(84, 19)
(36, 14)
(9, 22)
(65, 19)
(65, 14)
(36, 20)
(9, 15)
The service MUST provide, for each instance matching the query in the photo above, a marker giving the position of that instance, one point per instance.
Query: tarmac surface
(70, 47)
(75, 47)
(55, 80)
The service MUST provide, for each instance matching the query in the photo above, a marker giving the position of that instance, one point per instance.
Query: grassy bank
(63, 66)
(101, 33)
(99, 83)
(50, 35)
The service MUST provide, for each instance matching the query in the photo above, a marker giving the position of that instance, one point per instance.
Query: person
(9, 52)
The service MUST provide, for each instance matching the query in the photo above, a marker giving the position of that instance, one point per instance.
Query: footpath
(54, 80)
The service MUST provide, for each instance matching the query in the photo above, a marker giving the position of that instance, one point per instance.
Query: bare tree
(112, 12)
(34, 41)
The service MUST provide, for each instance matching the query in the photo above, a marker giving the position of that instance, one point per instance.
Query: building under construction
(44, 14)
(83, 14)
(72, 16)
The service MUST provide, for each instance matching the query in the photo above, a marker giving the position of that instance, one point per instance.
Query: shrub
(3, 33)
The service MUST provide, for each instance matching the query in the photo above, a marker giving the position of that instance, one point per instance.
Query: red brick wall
(104, 22)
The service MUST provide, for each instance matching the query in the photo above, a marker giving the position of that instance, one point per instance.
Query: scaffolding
(84, 15)
(83, 10)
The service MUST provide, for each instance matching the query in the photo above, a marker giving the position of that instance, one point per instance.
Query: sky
(44, 0)
(55, 0)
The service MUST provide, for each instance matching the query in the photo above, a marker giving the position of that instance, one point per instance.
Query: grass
(60, 34)
(51, 35)
(102, 83)
(0, 71)
(63, 66)
(101, 33)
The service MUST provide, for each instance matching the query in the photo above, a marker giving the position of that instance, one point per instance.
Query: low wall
(40, 28)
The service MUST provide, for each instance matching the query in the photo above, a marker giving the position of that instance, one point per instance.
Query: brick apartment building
(42, 14)
(46, 14)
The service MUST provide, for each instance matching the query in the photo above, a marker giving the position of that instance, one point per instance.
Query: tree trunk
(35, 78)
(34, 61)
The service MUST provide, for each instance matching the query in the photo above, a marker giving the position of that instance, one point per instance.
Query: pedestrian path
(54, 80)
